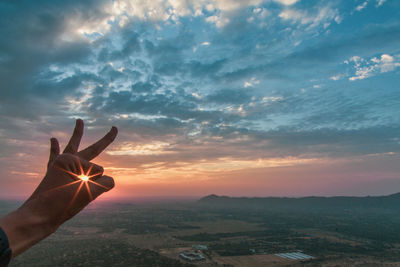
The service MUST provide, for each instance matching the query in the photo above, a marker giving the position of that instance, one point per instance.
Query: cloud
(287, 2)
(253, 81)
(120, 12)
(336, 77)
(368, 68)
(323, 15)
(386, 63)
(218, 20)
(197, 84)
(129, 149)
(35, 39)
(361, 6)
(380, 2)
(234, 96)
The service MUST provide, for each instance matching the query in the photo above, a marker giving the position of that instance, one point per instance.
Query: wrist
(24, 229)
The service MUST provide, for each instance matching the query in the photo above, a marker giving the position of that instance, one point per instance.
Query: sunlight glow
(84, 178)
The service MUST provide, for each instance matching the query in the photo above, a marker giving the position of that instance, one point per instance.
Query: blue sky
(205, 87)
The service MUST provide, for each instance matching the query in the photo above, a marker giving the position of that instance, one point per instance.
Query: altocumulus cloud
(189, 81)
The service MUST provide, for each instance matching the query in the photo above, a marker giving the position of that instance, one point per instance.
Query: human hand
(71, 183)
(62, 188)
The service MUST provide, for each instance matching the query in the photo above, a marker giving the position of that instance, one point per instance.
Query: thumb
(101, 185)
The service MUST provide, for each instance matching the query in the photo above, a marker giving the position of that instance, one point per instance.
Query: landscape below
(225, 231)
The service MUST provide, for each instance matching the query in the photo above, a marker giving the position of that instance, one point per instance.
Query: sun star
(84, 178)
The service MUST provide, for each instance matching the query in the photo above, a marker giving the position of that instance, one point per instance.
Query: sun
(83, 177)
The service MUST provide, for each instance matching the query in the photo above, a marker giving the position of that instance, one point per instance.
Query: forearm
(59, 196)
(24, 229)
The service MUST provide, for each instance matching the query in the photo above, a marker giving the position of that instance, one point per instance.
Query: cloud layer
(218, 85)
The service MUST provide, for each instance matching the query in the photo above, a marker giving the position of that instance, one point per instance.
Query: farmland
(121, 234)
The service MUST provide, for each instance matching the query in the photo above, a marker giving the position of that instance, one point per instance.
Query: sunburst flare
(84, 178)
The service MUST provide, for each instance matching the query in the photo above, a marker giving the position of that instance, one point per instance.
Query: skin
(57, 198)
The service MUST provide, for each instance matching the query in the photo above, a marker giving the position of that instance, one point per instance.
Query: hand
(71, 183)
(62, 189)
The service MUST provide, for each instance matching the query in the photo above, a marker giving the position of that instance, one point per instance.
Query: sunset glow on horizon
(240, 98)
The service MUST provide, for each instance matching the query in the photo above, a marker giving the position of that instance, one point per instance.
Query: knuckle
(67, 157)
(65, 160)
(111, 183)
(101, 169)
(60, 160)
(98, 168)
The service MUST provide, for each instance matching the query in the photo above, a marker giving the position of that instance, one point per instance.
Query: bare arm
(70, 184)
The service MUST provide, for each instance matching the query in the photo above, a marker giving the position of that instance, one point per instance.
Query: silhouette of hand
(71, 183)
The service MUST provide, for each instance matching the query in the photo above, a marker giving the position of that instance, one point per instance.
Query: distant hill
(312, 202)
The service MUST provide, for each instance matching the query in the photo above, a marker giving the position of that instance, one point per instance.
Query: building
(295, 256)
(199, 247)
(191, 256)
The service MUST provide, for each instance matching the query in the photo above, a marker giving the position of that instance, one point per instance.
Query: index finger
(76, 137)
(94, 150)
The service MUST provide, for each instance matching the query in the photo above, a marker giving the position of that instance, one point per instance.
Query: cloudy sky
(249, 97)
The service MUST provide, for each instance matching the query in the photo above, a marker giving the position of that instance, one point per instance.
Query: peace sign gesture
(88, 153)
(70, 184)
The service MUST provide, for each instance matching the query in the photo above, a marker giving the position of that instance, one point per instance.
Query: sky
(240, 98)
